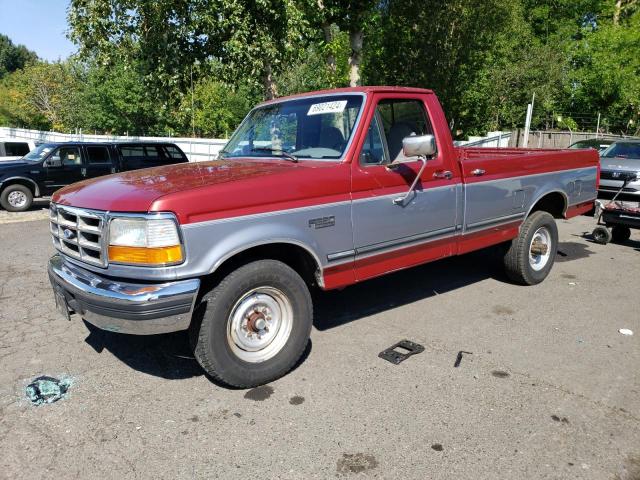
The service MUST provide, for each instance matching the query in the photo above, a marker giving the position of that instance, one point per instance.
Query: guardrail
(196, 149)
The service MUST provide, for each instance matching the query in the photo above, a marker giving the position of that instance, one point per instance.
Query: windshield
(38, 153)
(310, 128)
(623, 150)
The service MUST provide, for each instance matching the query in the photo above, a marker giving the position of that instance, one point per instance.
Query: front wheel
(531, 255)
(254, 325)
(16, 198)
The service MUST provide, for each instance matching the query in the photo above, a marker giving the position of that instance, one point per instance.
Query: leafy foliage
(13, 57)
(197, 66)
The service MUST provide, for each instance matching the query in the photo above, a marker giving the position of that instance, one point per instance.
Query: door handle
(478, 172)
(443, 174)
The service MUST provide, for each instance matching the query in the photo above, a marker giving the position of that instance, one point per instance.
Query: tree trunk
(270, 91)
(616, 12)
(328, 38)
(355, 38)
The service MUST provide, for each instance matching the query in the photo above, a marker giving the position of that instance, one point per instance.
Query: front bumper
(613, 186)
(122, 306)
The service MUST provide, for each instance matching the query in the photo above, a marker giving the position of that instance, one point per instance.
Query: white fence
(196, 149)
(492, 140)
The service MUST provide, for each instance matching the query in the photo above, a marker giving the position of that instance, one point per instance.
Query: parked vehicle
(51, 166)
(600, 144)
(13, 148)
(619, 159)
(323, 190)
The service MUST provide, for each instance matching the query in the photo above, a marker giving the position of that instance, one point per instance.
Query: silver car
(616, 162)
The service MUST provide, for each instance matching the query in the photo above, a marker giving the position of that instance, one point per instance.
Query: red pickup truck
(320, 190)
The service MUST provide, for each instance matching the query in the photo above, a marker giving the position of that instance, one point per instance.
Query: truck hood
(620, 163)
(195, 191)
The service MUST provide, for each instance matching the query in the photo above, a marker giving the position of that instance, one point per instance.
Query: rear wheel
(601, 235)
(16, 198)
(620, 233)
(254, 325)
(531, 255)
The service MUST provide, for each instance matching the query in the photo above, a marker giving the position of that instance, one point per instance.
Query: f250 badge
(322, 222)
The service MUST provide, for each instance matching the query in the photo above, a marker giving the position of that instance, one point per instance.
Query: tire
(225, 333)
(601, 235)
(16, 198)
(620, 233)
(521, 265)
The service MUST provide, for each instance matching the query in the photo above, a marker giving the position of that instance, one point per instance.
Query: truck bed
(510, 162)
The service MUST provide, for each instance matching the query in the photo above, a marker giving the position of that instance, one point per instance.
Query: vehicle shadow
(167, 356)
(40, 204)
(628, 243)
(336, 308)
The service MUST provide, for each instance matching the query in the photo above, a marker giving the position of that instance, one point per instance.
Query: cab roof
(365, 90)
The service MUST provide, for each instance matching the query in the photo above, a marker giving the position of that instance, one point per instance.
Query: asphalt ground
(550, 390)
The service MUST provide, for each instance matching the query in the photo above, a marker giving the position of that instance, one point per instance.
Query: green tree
(41, 95)
(13, 57)
(218, 108)
(605, 74)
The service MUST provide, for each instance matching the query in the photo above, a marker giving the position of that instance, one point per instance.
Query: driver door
(390, 235)
(70, 169)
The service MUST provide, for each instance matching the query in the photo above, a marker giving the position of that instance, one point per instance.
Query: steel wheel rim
(17, 199)
(538, 260)
(260, 324)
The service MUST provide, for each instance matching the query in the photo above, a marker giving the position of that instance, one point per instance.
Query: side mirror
(422, 146)
(54, 161)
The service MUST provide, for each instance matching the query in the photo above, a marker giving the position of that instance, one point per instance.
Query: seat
(331, 137)
(397, 133)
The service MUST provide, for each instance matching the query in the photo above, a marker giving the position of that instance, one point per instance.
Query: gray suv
(620, 159)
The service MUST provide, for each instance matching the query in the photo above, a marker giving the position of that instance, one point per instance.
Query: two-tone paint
(342, 214)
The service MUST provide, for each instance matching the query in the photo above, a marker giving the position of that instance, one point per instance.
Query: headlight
(144, 241)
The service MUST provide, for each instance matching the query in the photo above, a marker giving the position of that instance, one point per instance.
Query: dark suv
(54, 165)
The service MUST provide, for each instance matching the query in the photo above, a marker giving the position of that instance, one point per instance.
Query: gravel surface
(551, 389)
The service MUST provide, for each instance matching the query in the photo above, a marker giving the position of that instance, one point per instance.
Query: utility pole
(527, 122)
(598, 125)
(193, 113)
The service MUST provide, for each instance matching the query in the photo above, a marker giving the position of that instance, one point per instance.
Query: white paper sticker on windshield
(327, 107)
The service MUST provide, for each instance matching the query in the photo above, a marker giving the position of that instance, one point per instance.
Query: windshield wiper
(279, 153)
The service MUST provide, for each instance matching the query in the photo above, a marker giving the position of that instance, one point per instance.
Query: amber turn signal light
(145, 255)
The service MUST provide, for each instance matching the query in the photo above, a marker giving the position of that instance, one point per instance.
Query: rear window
(173, 152)
(16, 149)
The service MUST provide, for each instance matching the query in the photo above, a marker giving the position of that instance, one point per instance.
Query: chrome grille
(79, 233)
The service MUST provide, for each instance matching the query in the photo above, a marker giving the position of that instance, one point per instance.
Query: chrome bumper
(120, 306)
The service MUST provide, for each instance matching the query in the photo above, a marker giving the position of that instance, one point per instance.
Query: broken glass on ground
(45, 389)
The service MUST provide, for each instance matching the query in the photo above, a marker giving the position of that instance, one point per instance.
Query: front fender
(18, 179)
(209, 244)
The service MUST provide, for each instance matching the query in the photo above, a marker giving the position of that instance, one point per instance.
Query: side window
(98, 155)
(151, 151)
(132, 156)
(402, 118)
(14, 149)
(70, 156)
(373, 151)
(131, 151)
